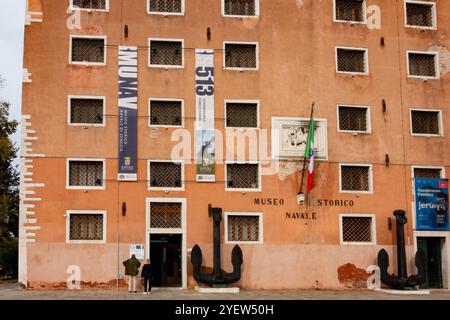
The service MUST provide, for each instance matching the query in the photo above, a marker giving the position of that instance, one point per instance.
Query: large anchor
(217, 277)
(402, 281)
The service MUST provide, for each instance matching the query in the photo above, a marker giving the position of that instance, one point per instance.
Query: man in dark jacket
(148, 276)
(132, 270)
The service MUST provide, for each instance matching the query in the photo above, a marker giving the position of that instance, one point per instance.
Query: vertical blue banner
(431, 204)
(128, 89)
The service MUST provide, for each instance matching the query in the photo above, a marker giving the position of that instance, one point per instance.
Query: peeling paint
(352, 277)
(444, 56)
(289, 167)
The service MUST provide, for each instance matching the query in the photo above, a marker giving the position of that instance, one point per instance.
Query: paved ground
(11, 292)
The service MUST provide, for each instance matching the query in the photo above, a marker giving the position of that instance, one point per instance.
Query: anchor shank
(401, 253)
(217, 217)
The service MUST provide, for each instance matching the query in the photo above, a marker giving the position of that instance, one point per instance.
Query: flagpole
(304, 159)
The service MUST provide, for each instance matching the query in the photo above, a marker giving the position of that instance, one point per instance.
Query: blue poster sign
(431, 204)
(128, 102)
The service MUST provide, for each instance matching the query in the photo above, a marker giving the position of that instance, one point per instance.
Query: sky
(12, 20)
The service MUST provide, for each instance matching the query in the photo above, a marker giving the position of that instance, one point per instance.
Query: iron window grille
(351, 60)
(350, 10)
(238, 55)
(166, 6)
(90, 4)
(240, 7)
(353, 119)
(165, 215)
(427, 173)
(243, 228)
(357, 229)
(425, 122)
(86, 111)
(88, 50)
(86, 173)
(243, 176)
(355, 178)
(86, 226)
(422, 64)
(166, 113)
(242, 115)
(168, 53)
(418, 14)
(165, 175)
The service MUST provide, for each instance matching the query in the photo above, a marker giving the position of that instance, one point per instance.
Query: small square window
(427, 173)
(354, 119)
(243, 228)
(241, 56)
(425, 122)
(240, 7)
(166, 113)
(86, 111)
(350, 10)
(351, 60)
(420, 14)
(243, 176)
(86, 227)
(166, 53)
(85, 173)
(242, 115)
(165, 215)
(422, 64)
(166, 6)
(90, 4)
(355, 178)
(166, 175)
(88, 50)
(357, 229)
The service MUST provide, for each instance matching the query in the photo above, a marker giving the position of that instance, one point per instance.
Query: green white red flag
(309, 154)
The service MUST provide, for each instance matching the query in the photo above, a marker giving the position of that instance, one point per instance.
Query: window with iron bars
(88, 50)
(86, 227)
(86, 111)
(419, 14)
(425, 122)
(355, 178)
(166, 113)
(165, 215)
(351, 60)
(167, 53)
(427, 173)
(238, 55)
(422, 64)
(166, 6)
(240, 7)
(350, 10)
(357, 229)
(243, 228)
(165, 174)
(86, 173)
(353, 119)
(242, 115)
(242, 176)
(90, 4)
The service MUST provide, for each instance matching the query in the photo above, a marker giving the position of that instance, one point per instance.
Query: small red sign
(443, 184)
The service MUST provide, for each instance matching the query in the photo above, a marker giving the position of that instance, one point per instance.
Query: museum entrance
(432, 247)
(165, 254)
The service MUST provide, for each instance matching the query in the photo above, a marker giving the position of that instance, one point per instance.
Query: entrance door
(432, 248)
(165, 254)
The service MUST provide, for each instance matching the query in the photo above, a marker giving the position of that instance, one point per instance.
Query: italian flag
(309, 154)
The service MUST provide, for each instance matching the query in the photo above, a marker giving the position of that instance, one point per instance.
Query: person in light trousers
(132, 270)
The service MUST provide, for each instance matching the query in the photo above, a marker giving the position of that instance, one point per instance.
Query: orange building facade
(378, 72)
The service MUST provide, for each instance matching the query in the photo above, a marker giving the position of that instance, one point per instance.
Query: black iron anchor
(217, 277)
(401, 281)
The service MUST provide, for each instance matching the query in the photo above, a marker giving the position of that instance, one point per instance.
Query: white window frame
(257, 11)
(69, 187)
(183, 8)
(362, 215)
(105, 217)
(163, 125)
(370, 166)
(441, 128)
(86, 63)
(366, 58)
(249, 214)
(259, 189)
(149, 187)
(351, 22)
(72, 8)
(427, 3)
(74, 97)
(436, 64)
(428, 167)
(368, 119)
(241, 42)
(165, 66)
(257, 102)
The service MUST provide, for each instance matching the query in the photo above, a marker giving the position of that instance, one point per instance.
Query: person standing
(147, 274)
(132, 270)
